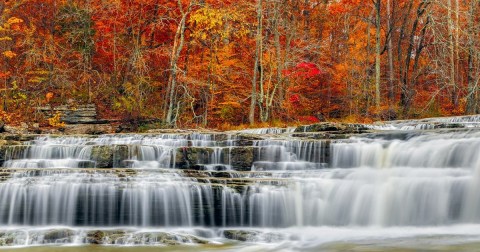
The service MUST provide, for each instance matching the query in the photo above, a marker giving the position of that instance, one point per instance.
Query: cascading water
(212, 185)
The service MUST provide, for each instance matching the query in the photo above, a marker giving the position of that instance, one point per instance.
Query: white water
(361, 188)
(472, 121)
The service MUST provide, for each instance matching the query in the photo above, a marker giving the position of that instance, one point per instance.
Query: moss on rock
(103, 156)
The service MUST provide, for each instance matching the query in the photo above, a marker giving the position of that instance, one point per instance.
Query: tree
(8, 27)
(178, 43)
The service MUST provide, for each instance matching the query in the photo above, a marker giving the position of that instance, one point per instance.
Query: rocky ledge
(98, 237)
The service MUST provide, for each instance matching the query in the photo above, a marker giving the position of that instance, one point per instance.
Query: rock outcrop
(81, 114)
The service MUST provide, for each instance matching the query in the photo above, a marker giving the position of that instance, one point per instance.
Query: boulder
(7, 239)
(181, 161)
(17, 130)
(88, 129)
(172, 239)
(335, 128)
(198, 155)
(240, 235)
(95, 237)
(242, 158)
(80, 114)
(120, 155)
(54, 235)
(103, 156)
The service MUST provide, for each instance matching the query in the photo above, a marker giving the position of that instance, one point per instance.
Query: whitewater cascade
(214, 181)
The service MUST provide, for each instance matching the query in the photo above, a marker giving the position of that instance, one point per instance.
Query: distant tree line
(220, 63)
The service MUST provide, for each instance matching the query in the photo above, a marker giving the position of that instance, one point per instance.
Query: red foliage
(303, 69)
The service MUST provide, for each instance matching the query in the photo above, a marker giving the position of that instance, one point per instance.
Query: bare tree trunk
(472, 96)
(451, 46)
(278, 51)
(457, 44)
(262, 105)
(178, 43)
(391, 78)
(88, 59)
(377, 53)
(259, 38)
(366, 86)
(278, 58)
(408, 82)
(404, 96)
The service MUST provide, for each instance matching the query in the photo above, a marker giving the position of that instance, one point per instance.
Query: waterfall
(190, 180)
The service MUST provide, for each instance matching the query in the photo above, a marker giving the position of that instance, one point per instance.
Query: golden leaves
(218, 24)
(56, 121)
(10, 22)
(13, 20)
(9, 54)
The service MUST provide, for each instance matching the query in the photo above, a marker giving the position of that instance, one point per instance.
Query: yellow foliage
(56, 121)
(9, 54)
(6, 117)
(36, 79)
(218, 24)
(14, 20)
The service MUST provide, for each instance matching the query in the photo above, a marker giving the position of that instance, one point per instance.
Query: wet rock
(4, 175)
(58, 234)
(172, 239)
(181, 160)
(111, 237)
(247, 139)
(86, 164)
(103, 156)
(114, 237)
(198, 155)
(449, 126)
(220, 137)
(2, 125)
(240, 235)
(125, 173)
(336, 128)
(319, 127)
(241, 158)
(199, 167)
(3, 151)
(196, 240)
(6, 239)
(220, 168)
(95, 237)
(120, 156)
(163, 238)
(12, 151)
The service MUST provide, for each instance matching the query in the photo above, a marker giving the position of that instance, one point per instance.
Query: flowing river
(399, 186)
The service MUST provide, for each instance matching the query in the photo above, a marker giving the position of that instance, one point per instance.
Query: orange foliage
(48, 97)
(316, 59)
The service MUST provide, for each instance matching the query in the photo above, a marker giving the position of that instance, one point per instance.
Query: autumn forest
(224, 63)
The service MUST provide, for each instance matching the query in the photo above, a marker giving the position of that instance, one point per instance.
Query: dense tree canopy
(220, 63)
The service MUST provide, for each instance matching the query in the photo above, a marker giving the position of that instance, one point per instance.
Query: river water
(399, 188)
